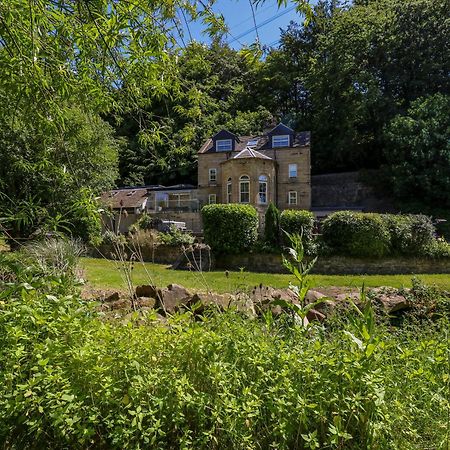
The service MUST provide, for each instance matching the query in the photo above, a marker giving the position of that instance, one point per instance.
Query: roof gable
(281, 129)
(225, 134)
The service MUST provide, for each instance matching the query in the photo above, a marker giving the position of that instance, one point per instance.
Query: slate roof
(300, 140)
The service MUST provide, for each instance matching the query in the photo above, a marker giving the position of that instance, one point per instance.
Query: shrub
(144, 238)
(272, 225)
(230, 228)
(356, 234)
(176, 237)
(410, 234)
(145, 222)
(299, 222)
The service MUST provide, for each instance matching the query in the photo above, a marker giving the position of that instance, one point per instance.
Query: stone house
(256, 170)
(272, 167)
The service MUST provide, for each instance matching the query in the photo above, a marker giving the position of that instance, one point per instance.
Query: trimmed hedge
(410, 234)
(356, 234)
(294, 221)
(230, 228)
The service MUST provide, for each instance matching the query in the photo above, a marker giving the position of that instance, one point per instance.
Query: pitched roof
(281, 128)
(250, 153)
(258, 142)
(124, 198)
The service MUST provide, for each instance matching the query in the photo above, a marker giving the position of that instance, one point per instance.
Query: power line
(256, 14)
(264, 23)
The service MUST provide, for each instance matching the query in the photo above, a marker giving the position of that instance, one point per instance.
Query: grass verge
(103, 273)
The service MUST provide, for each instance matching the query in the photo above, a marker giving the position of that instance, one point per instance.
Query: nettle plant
(295, 262)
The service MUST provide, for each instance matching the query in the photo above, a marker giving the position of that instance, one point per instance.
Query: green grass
(103, 273)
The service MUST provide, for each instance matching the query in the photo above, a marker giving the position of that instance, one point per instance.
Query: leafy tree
(354, 68)
(48, 180)
(418, 152)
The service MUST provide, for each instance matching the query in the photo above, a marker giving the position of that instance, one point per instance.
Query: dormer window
(280, 141)
(224, 145)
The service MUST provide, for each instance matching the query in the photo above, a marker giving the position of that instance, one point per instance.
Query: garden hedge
(410, 234)
(356, 234)
(298, 221)
(230, 228)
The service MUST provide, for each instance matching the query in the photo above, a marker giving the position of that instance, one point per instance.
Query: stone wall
(347, 190)
(337, 265)
(161, 254)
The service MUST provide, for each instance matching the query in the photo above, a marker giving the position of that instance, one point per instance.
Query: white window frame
(227, 145)
(262, 181)
(210, 178)
(244, 180)
(212, 199)
(293, 168)
(229, 191)
(280, 141)
(293, 201)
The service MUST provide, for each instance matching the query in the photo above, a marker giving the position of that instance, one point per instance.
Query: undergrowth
(71, 379)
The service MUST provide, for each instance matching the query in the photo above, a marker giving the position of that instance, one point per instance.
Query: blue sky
(238, 16)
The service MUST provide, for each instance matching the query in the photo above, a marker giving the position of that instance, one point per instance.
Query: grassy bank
(103, 273)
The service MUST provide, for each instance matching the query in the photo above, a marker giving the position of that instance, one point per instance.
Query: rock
(120, 304)
(393, 303)
(314, 296)
(146, 290)
(204, 301)
(313, 314)
(145, 302)
(112, 297)
(327, 307)
(244, 304)
(355, 297)
(173, 298)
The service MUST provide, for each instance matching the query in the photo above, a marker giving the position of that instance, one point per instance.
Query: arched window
(229, 191)
(244, 189)
(262, 190)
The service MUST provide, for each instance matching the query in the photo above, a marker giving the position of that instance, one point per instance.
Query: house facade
(255, 170)
(273, 167)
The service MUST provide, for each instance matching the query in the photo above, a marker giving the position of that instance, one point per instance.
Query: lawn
(103, 273)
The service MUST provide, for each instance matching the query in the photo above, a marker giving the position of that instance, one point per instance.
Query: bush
(356, 234)
(145, 222)
(230, 228)
(298, 222)
(410, 234)
(176, 237)
(272, 225)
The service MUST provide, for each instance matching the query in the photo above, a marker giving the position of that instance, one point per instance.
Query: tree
(49, 177)
(418, 152)
(272, 225)
(349, 72)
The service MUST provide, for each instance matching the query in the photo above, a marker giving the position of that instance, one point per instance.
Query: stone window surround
(211, 178)
(292, 200)
(244, 180)
(293, 168)
(212, 199)
(262, 180)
